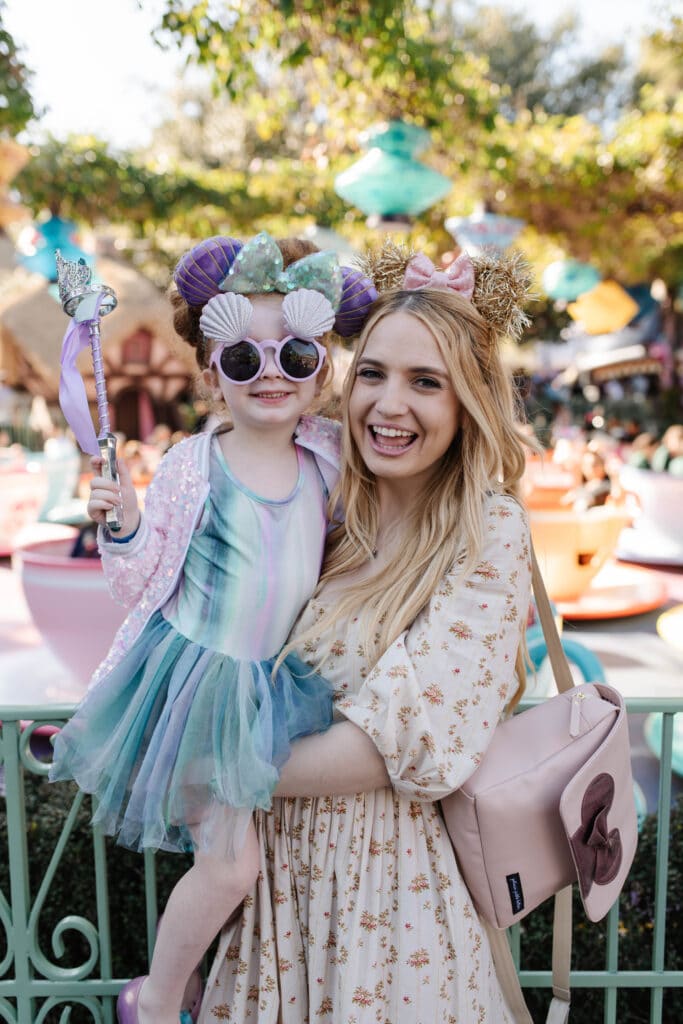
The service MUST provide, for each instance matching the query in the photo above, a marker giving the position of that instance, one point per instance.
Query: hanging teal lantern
(51, 235)
(483, 230)
(567, 279)
(388, 181)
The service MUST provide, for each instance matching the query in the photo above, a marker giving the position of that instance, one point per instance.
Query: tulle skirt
(179, 744)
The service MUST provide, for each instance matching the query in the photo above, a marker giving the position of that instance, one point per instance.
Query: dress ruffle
(180, 743)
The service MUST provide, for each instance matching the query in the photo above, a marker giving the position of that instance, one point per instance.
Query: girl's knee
(230, 880)
(245, 872)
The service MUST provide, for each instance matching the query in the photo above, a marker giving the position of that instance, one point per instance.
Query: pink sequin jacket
(143, 572)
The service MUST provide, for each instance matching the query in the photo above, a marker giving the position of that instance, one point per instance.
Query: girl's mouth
(391, 440)
(272, 396)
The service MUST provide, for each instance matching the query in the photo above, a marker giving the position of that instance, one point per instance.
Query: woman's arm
(432, 701)
(340, 762)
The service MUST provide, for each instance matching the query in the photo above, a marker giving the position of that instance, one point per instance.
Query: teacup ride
(545, 482)
(37, 487)
(23, 490)
(656, 536)
(67, 597)
(575, 551)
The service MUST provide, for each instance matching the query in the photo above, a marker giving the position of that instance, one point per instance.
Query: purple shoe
(127, 1002)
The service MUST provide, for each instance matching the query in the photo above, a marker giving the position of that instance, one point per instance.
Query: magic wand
(86, 304)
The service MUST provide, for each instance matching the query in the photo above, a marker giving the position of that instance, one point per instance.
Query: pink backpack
(551, 804)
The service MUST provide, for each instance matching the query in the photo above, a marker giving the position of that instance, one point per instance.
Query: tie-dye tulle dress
(184, 738)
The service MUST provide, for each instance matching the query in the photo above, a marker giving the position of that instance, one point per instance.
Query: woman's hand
(106, 494)
(340, 762)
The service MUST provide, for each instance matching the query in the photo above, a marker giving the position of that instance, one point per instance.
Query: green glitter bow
(258, 268)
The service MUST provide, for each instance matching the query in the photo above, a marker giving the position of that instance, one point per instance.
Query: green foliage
(584, 190)
(16, 105)
(80, 178)
(296, 84)
(540, 68)
(322, 71)
(659, 81)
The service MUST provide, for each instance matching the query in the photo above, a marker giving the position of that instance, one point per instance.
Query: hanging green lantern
(388, 182)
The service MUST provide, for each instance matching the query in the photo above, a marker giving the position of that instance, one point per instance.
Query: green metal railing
(34, 989)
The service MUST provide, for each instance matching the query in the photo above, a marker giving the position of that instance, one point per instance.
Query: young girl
(188, 719)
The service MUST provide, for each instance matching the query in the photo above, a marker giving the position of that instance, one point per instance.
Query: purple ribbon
(72, 397)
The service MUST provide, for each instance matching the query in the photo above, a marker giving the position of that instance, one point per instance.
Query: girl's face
(271, 400)
(403, 411)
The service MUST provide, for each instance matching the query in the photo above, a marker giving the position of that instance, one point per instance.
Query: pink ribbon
(458, 277)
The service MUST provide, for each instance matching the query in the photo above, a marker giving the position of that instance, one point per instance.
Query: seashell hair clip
(307, 314)
(226, 318)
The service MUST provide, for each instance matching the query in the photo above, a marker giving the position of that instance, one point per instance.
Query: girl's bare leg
(199, 905)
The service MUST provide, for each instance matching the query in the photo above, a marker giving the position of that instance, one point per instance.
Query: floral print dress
(360, 915)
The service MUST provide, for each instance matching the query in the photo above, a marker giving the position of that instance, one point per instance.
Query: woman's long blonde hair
(443, 529)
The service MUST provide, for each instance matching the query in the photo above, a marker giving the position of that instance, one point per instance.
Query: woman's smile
(391, 440)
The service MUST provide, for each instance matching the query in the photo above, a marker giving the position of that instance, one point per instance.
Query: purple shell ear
(358, 295)
(201, 270)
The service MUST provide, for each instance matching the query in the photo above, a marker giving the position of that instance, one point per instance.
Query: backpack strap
(506, 972)
(558, 1012)
(558, 659)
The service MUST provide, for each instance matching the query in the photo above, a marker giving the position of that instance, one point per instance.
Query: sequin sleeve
(170, 505)
(432, 701)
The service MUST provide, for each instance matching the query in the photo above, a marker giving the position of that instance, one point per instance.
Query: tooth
(391, 432)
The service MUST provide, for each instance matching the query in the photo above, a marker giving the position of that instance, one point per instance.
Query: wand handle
(100, 385)
(107, 446)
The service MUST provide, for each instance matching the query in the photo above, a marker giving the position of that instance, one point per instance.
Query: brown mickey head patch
(597, 848)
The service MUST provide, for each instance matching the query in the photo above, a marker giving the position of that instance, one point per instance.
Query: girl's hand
(105, 495)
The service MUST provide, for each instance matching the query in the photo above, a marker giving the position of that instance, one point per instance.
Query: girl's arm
(340, 762)
(133, 562)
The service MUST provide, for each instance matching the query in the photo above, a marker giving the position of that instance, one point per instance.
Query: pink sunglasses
(244, 361)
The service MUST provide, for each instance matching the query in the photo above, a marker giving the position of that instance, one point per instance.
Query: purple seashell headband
(358, 295)
(200, 270)
(201, 274)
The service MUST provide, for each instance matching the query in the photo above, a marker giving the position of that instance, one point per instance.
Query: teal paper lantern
(54, 233)
(567, 279)
(388, 182)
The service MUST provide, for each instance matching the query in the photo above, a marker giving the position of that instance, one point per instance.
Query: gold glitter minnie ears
(502, 281)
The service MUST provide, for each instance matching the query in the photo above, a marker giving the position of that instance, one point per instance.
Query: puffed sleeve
(432, 701)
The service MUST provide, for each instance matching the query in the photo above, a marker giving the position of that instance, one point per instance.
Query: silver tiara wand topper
(86, 304)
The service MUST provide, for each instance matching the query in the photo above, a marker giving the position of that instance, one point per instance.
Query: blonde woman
(360, 915)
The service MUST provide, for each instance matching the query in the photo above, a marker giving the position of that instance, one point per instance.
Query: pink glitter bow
(458, 277)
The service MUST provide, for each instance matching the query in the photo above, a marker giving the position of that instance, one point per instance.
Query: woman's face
(403, 411)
